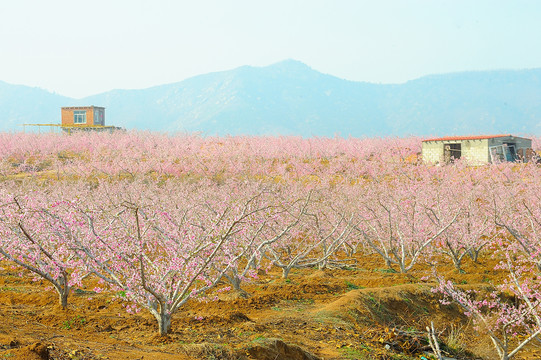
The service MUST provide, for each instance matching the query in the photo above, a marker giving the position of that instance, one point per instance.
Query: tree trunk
(285, 272)
(63, 298)
(63, 293)
(164, 323)
(235, 281)
(474, 254)
(458, 264)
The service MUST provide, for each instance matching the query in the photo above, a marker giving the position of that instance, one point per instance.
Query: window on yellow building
(79, 117)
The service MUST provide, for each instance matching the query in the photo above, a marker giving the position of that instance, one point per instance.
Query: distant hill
(291, 98)
(23, 104)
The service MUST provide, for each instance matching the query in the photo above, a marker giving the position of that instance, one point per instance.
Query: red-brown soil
(361, 313)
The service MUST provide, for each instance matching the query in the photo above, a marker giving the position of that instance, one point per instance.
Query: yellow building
(83, 116)
(78, 118)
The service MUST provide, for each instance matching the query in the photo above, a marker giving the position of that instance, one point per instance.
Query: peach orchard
(160, 220)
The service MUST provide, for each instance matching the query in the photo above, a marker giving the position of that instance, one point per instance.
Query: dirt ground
(364, 312)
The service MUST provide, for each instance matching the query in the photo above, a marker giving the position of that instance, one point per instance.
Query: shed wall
(67, 115)
(432, 152)
(473, 151)
(99, 116)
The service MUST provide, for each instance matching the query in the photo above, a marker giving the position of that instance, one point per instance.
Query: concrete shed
(477, 150)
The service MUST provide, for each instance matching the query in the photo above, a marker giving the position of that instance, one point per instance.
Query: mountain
(291, 98)
(468, 102)
(284, 98)
(21, 104)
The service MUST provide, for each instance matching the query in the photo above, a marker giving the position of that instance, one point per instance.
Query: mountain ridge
(291, 98)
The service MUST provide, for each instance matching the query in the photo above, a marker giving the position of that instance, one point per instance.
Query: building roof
(474, 137)
(82, 107)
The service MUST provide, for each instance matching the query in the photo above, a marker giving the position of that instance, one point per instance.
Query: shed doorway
(501, 153)
(452, 152)
(510, 152)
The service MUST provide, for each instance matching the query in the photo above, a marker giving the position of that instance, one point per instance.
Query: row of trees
(161, 243)
(161, 220)
(194, 157)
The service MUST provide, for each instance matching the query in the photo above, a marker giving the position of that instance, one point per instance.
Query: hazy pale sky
(79, 48)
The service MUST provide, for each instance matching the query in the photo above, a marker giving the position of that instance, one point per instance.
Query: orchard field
(147, 246)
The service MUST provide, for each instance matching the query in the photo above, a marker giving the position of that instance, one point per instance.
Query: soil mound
(275, 349)
(239, 317)
(36, 351)
(415, 303)
(209, 351)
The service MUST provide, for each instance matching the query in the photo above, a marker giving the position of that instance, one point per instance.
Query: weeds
(259, 339)
(455, 340)
(11, 289)
(306, 301)
(352, 286)
(386, 271)
(77, 321)
(328, 318)
(347, 353)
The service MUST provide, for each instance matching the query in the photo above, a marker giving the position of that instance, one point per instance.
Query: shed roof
(474, 137)
(82, 107)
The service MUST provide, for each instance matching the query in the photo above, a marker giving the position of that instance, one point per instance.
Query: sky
(80, 48)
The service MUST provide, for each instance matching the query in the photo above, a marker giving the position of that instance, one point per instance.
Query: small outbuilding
(79, 118)
(477, 150)
(83, 116)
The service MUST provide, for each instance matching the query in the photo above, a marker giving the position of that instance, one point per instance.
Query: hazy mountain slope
(470, 102)
(291, 98)
(285, 98)
(21, 104)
